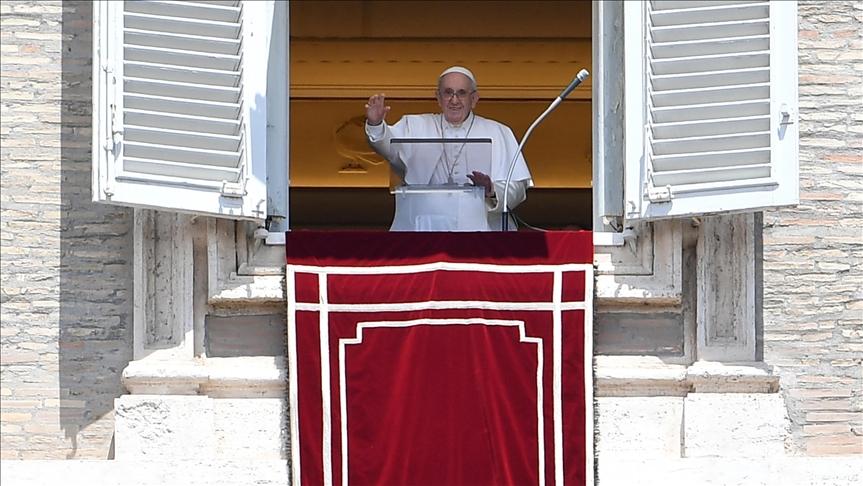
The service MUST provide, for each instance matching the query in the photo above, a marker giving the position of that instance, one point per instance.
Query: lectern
(439, 208)
(436, 194)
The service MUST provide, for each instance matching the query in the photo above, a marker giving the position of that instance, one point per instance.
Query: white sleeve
(517, 194)
(376, 132)
(379, 139)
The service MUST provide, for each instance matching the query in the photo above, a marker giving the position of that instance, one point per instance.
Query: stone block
(164, 427)
(639, 426)
(251, 428)
(145, 472)
(734, 425)
(739, 471)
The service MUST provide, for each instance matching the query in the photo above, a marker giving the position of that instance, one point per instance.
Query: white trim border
(556, 307)
(522, 333)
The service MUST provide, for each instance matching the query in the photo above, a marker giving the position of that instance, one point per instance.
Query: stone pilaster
(725, 308)
(164, 266)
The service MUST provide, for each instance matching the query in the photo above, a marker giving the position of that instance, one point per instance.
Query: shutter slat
(717, 30)
(143, 150)
(206, 28)
(168, 40)
(718, 94)
(181, 170)
(708, 111)
(702, 128)
(179, 122)
(719, 174)
(180, 138)
(712, 13)
(176, 57)
(182, 90)
(710, 79)
(721, 158)
(222, 13)
(663, 50)
(676, 4)
(226, 3)
(182, 106)
(189, 75)
(711, 144)
(720, 62)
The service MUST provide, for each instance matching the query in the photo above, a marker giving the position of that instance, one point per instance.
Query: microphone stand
(579, 78)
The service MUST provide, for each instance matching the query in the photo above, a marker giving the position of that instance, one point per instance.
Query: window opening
(523, 54)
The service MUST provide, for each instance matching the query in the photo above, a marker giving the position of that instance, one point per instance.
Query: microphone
(579, 78)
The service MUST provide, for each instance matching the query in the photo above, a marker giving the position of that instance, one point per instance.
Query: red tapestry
(440, 358)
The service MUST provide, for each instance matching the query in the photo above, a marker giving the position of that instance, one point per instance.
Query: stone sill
(249, 290)
(245, 377)
(772, 471)
(620, 376)
(145, 472)
(265, 287)
(729, 470)
(614, 376)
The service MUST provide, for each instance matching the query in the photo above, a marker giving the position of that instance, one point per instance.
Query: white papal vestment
(454, 166)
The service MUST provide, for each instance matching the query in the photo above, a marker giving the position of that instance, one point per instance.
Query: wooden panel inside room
(522, 53)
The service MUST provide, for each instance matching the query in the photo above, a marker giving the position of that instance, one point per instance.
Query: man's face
(456, 97)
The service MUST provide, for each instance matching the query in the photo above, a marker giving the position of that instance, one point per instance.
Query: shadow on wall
(95, 262)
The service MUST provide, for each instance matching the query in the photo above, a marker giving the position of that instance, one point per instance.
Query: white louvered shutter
(711, 101)
(180, 105)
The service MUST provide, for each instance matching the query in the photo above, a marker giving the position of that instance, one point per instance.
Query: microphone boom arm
(579, 78)
(551, 107)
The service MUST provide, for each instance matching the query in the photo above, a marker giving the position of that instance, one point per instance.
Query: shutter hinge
(787, 114)
(234, 189)
(116, 135)
(658, 194)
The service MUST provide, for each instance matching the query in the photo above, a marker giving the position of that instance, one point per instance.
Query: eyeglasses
(461, 94)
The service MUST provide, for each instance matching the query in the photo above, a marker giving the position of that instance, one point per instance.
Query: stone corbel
(644, 270)
(227, 251)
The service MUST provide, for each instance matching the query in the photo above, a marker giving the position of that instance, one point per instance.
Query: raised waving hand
(376, 109)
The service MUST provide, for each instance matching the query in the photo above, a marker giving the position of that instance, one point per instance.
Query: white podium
(439, 208)
(437, 194)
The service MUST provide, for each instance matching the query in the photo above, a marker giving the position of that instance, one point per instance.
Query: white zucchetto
(460, 70)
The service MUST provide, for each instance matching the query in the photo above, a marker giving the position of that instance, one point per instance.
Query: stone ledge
(256, 377)
(713, 377)
(734, 471)
(244, 290)
(649, 376)
(784, 471)
(144, 472)
(244, 377)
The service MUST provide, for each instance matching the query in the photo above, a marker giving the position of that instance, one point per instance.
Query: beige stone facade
(67, 290)
(66, 261)
(813, 253)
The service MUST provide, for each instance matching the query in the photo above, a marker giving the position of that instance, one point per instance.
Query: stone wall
(813, 271)
(66, 273)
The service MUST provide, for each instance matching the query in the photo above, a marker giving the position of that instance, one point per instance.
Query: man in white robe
(457, 96)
